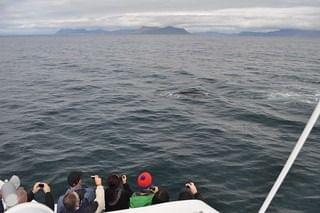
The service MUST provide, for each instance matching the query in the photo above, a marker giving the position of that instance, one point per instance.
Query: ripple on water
(225, 116)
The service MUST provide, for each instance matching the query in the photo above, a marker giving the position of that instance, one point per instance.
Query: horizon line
(90, 30)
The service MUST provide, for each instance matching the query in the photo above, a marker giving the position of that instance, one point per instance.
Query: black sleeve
(48, 200)
(198, 196)
(1, 206)
(30, 196)
(127, 189)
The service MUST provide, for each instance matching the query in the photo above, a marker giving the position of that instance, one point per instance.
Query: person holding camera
(48, 198)
(76, 184)
(148, 194)
(161, 195)
(143, 197)
(41, 186)
(118, 193)
(75, 202)
(190, 192)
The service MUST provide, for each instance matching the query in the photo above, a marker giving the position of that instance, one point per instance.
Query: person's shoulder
(88, 189)
(60, 205)
(60, 200)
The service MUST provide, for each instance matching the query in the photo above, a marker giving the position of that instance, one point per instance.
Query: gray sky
(41, 16)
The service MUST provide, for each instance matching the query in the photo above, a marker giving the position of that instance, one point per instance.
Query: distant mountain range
(284, 32)
(142, 30)
(164, 30)
(181, 31)
(66, 31)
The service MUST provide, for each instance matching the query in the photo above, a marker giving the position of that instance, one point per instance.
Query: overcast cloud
(39, 16)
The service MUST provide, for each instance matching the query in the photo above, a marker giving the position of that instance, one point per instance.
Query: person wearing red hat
(145, 195)
(144, 180)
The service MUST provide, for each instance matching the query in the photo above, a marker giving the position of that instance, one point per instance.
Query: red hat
(144, 179)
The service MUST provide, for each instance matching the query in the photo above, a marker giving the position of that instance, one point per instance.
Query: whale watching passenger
(118, 193)
(147, 190)
(190, 192)
(48, 198)
(75, 202)
(76, 184)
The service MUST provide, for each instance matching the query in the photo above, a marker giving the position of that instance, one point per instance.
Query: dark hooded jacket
(123, 194)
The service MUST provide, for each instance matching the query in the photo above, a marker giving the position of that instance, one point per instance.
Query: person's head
(114, 181)
(8, 190)
(144, 180)
(160, 196)
(71, 201)
(22, 195)
(75, 178)
(190, 191)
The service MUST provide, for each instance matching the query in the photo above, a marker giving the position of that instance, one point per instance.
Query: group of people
(12, 194)
(79, 198)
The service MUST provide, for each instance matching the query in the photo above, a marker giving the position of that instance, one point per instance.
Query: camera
(153, 188)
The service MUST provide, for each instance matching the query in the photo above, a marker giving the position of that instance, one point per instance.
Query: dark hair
(185, 196)
(74, 178)
(161, 196)
(70, 201)
(113, 183)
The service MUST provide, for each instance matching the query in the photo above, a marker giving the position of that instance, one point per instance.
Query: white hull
(186, 206)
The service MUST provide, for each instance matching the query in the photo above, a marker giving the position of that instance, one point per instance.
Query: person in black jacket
(161, 196)
(190, 192)
(48, 198)
(118, 193)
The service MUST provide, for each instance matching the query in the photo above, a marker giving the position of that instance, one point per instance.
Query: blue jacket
(88, 197)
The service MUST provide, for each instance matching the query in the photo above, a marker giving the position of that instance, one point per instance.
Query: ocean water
(223, 112)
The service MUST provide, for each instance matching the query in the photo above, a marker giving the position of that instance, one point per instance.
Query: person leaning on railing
(76, 203)
(148, 194)
(118, 193)
(76, 184)
(190, 192)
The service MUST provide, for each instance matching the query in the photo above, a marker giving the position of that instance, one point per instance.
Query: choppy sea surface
(223, 112)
